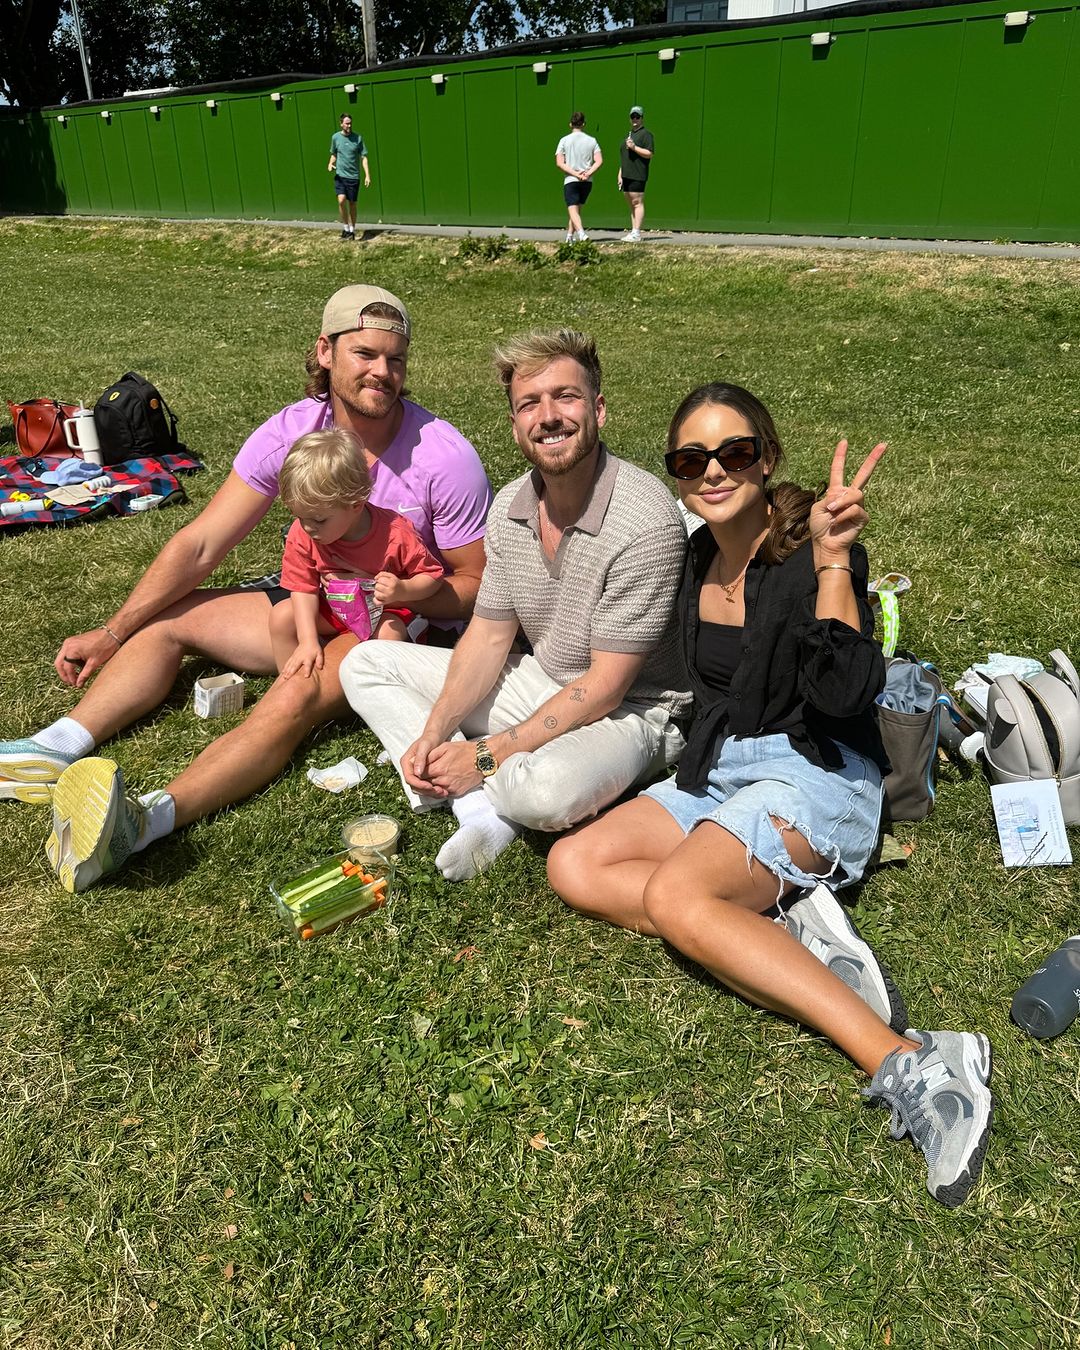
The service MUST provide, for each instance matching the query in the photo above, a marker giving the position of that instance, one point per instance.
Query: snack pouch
(352, 601)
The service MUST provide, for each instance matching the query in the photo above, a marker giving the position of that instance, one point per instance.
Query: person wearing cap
(635, 157)
(578, 157)
(348, 154)
(584, 555)
(420, 467)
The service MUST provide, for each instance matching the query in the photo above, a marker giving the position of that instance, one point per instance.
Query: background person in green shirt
(347, 154)
(635, 154)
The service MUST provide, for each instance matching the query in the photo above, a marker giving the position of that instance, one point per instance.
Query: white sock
(67, 736)
(482, 836)
(159, 819)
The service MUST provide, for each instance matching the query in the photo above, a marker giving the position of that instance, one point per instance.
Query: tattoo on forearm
(577, 694)
(551, 723)
(512, 733)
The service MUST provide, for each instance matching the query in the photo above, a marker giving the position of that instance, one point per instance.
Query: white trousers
(393, 687)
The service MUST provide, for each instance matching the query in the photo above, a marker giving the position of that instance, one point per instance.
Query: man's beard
(557, 461)
(365, 400)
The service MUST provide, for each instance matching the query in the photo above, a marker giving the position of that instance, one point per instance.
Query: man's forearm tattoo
(512, 733)
(551, 723)
(577, 694)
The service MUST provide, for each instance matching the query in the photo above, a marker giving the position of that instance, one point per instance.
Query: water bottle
(1048, 1003)
(80, 432)
(953, 726)
(25, 507)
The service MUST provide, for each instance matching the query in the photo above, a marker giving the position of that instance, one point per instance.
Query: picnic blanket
(138, 477)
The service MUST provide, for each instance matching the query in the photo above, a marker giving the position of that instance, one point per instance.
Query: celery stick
(326, 922)
(331, 898)
(327, 876)
(303, 879)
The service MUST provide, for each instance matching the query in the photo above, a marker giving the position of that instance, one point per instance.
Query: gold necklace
(729, 587)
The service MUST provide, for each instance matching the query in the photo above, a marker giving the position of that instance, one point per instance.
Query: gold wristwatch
(486, 762)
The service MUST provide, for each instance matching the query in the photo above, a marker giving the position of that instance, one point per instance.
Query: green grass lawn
(474, 1119)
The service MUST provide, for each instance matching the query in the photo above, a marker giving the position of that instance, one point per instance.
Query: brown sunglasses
(733, 455)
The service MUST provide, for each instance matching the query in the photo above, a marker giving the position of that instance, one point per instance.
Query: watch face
(485, 762)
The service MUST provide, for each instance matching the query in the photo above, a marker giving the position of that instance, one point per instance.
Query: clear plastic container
(372, 838)
(322, 897)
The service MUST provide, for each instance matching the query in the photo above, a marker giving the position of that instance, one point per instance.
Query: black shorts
(348, 188)
(633, 185)
(577, 192)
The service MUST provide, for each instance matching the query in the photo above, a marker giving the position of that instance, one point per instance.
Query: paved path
(806, 241)
(372, 229)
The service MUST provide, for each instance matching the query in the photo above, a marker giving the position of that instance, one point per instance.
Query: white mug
(85, 438)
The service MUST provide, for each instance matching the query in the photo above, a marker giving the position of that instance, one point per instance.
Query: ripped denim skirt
(761, 777)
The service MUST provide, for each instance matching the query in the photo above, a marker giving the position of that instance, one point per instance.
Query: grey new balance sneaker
(939, 1094)
(28, 770)
(95, 827)
(817, 920)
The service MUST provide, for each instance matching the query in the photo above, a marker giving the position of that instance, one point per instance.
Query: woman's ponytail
(789, 524)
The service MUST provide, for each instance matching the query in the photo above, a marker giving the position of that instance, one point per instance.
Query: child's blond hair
(325, 469)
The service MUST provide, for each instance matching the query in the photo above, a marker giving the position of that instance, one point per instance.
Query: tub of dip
(371, 839)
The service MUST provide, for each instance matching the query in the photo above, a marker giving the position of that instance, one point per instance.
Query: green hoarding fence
(935, 122)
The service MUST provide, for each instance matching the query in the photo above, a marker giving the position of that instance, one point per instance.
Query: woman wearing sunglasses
(779, 787)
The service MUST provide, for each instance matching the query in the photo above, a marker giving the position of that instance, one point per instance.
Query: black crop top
(719, 651)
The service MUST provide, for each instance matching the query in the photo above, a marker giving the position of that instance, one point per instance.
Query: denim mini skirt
(760, 777)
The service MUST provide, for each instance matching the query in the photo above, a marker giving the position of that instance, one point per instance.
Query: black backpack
(133, 420)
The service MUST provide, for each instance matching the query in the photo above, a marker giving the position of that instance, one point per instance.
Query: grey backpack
(1033, 731)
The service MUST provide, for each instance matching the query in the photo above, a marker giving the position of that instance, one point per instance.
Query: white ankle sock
(482, 836)
(159, 820)
(67, 736)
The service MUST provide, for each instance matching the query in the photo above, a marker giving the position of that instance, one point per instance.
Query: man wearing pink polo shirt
(420, 467)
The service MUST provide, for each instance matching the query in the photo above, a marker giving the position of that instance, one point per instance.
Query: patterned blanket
(139, 477)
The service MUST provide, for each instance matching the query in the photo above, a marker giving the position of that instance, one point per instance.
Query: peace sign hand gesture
(837, 519)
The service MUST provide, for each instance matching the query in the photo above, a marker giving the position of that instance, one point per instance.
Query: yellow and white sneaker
(95, 826)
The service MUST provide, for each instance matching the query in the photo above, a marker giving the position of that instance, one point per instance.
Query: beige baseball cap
(345, 311)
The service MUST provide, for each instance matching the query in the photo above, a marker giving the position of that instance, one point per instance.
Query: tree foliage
(27, 60)
(419, 28)
(153, 43)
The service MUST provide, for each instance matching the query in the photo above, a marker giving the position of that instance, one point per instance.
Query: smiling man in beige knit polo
(583, 553)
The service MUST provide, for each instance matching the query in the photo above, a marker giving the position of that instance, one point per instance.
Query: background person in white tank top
(578, 157)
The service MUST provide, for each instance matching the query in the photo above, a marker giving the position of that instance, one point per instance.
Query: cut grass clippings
(473, 1118)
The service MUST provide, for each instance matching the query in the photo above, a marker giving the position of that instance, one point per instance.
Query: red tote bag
(39, 426)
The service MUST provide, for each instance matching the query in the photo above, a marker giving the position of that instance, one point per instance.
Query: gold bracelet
(832, 567)
(119, 641)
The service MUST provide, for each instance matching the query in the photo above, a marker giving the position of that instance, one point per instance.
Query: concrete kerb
(967, 248)
(977, 248)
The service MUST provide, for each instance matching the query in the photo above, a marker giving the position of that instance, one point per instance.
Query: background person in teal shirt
(347, 154)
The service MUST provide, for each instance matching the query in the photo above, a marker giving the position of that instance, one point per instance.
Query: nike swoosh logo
(400, 507)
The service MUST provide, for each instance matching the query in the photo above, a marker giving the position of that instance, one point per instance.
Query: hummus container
(372, 838)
